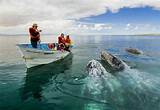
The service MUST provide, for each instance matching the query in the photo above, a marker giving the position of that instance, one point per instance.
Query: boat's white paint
(34, 57)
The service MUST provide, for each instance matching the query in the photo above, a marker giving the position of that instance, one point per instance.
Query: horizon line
(145, 34)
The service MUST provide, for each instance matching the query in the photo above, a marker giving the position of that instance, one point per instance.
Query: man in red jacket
(34, 35)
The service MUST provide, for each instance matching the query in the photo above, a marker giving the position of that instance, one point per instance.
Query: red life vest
(51, 46)
(35, 36)
(61, 40)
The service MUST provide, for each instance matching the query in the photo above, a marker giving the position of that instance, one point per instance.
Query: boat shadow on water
(37, 77)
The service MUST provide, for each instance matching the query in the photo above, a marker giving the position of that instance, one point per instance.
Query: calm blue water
(66, 85)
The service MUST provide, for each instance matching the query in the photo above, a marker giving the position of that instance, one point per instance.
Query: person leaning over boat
(34, 35)
(61, 42)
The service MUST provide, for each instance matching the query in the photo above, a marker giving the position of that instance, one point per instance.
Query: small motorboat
(133, 51)
(41, 55)
(114, 62)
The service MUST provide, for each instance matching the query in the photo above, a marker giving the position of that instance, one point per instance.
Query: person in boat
(61, 42)
(67, 43)
(34, 35)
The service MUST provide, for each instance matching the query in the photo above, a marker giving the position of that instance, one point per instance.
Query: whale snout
(92, 64)
(95, 68)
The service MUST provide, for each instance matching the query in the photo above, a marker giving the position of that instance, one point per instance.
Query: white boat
(40, 55)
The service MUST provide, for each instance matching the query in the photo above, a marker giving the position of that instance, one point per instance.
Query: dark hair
(67, 36)
(62, 34)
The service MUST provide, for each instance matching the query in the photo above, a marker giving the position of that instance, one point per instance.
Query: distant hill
(152, 34)
(13, 34)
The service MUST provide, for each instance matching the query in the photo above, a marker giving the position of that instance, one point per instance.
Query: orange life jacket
(68, 41)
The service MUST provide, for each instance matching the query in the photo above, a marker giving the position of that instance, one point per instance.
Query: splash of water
(102, 87)
(142, 86)
(140, 79)
(100, 83)
(98, 86)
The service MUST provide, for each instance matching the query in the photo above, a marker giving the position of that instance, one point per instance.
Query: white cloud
(97, 27)
(60, 15)
(128, 25)
(136, 28)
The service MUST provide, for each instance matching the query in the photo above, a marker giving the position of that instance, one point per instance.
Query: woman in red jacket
(67, 40)
(67, 43)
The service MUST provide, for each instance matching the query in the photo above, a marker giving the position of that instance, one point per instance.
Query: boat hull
(40, 56)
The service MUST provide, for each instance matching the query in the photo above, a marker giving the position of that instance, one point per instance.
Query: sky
(112, 17)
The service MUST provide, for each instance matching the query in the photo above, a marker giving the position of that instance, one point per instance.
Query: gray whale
(114, 62)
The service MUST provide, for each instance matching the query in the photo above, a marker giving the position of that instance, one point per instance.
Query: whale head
(94, 68)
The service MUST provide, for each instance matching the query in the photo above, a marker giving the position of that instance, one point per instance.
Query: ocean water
(66, 85)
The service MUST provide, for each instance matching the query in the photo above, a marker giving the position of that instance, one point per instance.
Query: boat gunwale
(37, 50)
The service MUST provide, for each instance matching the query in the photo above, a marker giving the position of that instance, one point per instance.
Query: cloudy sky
(80, 16)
